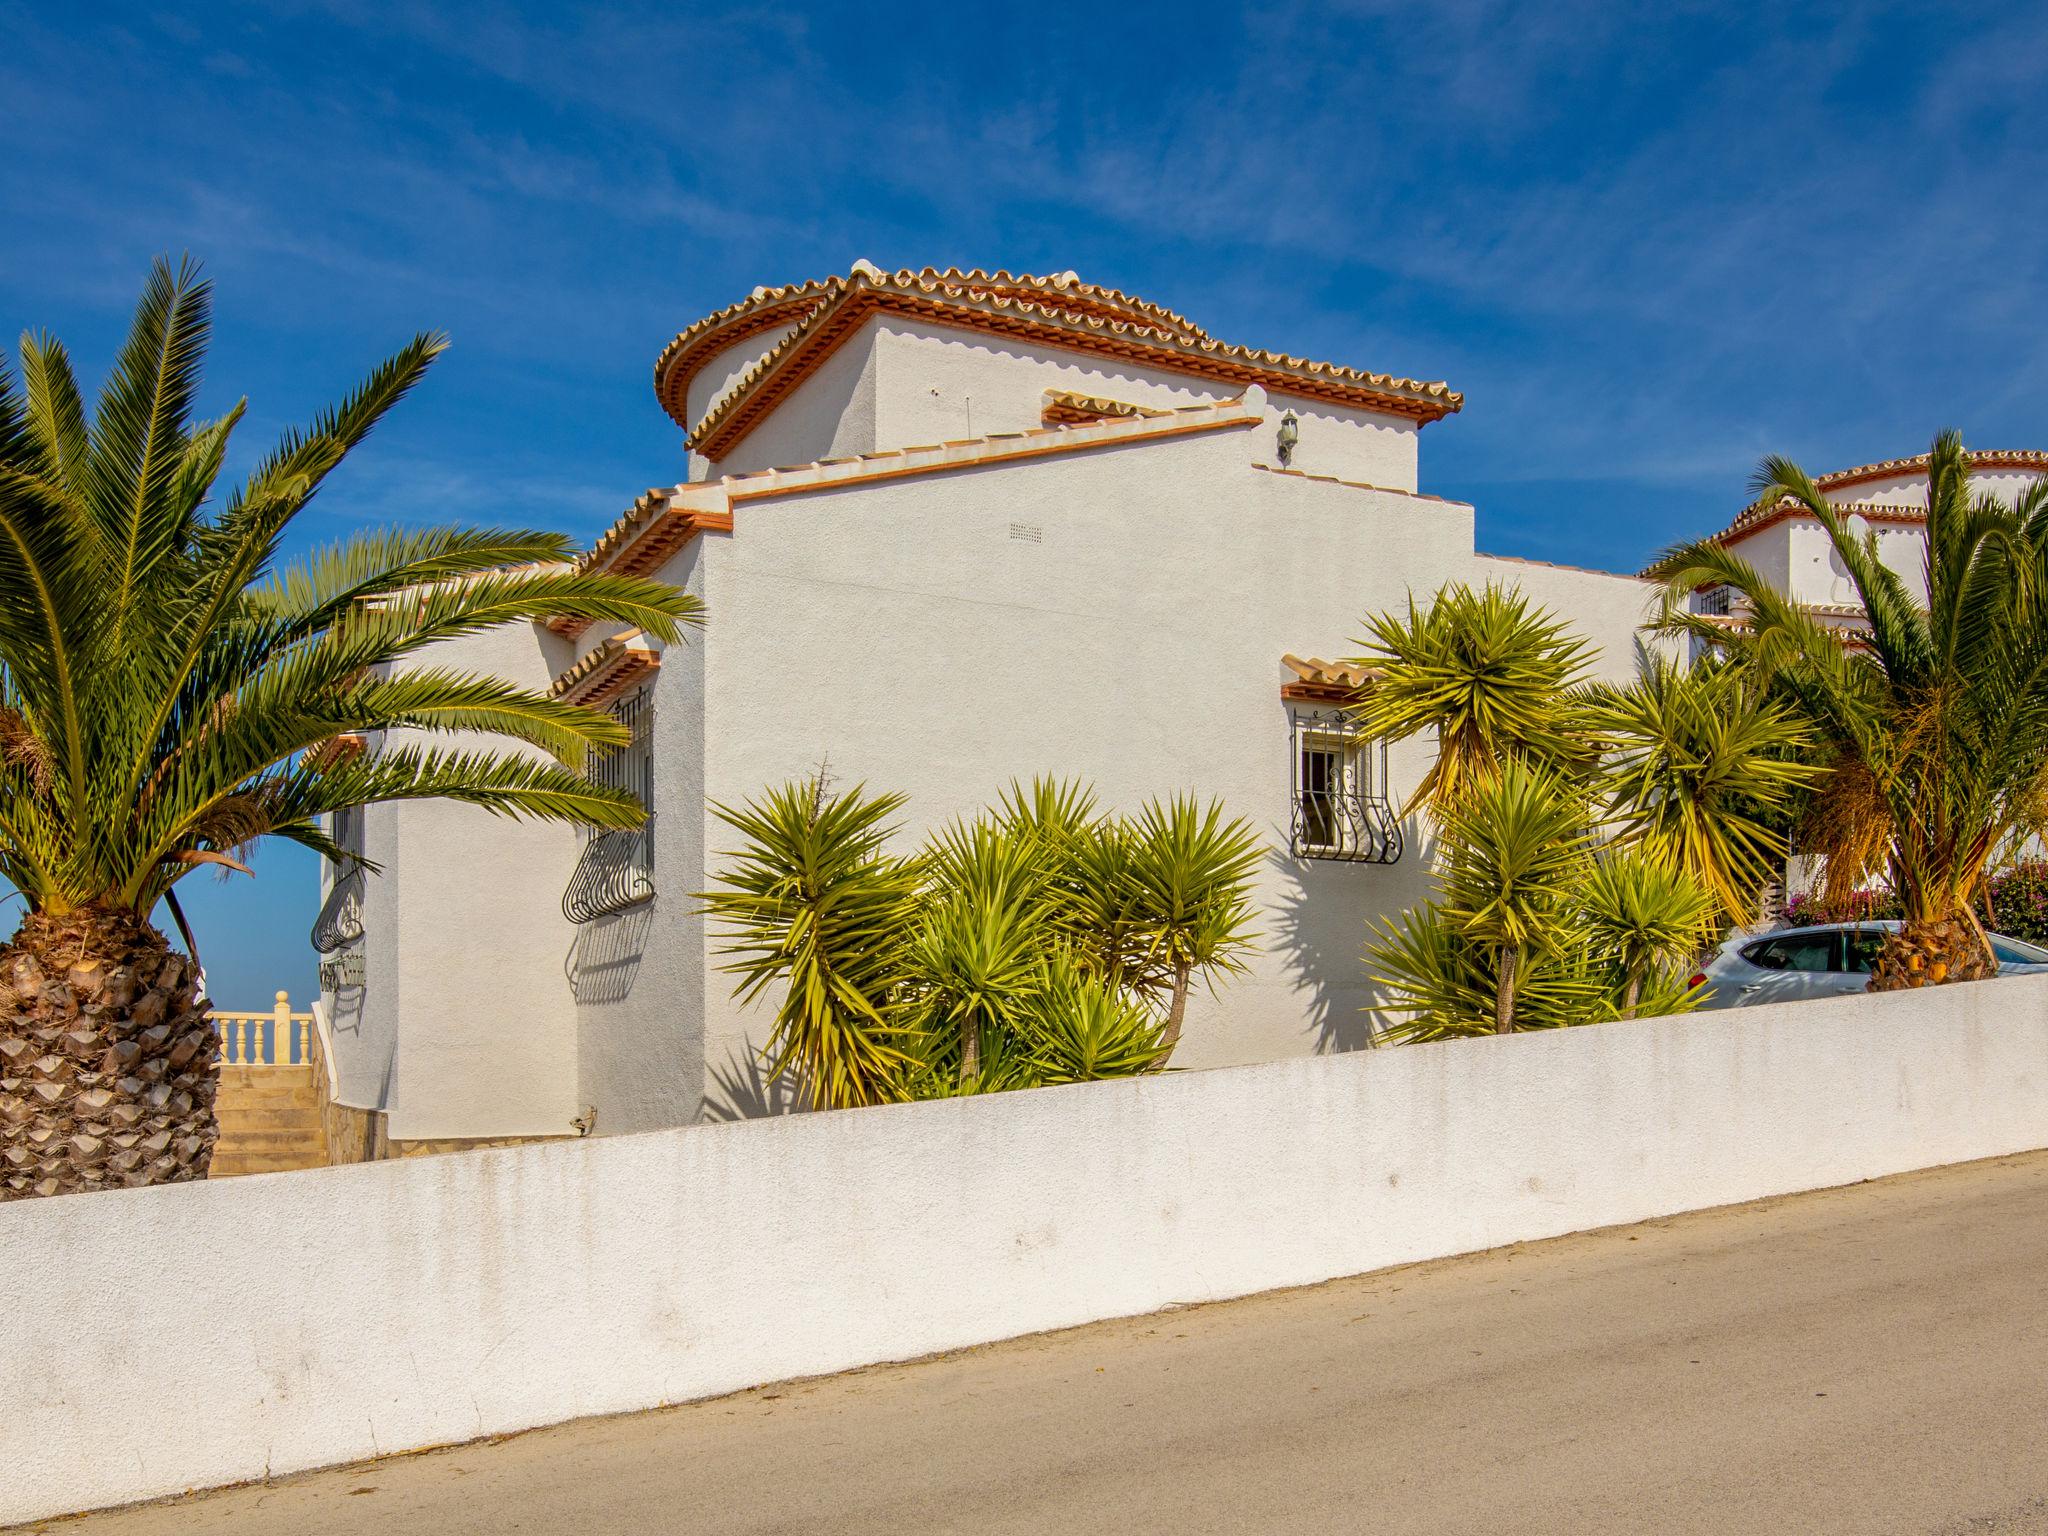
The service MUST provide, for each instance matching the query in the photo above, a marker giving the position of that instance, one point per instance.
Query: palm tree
(1933, 724)
(170, 695)
(1493, 678)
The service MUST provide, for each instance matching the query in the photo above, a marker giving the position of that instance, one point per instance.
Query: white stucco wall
(1797, 557)
(464, 1025)
(896, 384)
(1606, 608)
(1132, 639)
(832, 414)
(357, 1311)
(938, 384)
(638, 975)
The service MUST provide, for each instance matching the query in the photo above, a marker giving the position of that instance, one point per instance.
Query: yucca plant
(1440, 983)
(979, 954)
(958, 970)
(1639, 913)
(1082, 1031)
(816, 904)
(1518, 846)
(1189, 873)
(1702, 774)
(170, 694)
(1492, 678)
(1933, 725)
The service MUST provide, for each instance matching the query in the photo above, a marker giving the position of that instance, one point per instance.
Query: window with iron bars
(339, 922)
(1341, 810)
(616, 870)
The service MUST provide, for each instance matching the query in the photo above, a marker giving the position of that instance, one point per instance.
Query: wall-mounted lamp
(1290, 434)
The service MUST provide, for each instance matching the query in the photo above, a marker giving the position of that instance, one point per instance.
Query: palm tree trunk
(1923, 954)
(970, 1050)
(107, 1058)
(1182, 973)
(1504, 995)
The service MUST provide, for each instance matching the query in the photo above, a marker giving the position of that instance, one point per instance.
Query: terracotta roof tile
(1058, 311)
(1065, 408)
(1327, 682)
(611, 667)
(1761, 514)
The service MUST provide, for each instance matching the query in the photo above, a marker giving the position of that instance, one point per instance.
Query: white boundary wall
(182, 1337)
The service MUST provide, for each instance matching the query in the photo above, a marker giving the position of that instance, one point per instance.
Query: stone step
(283, 1104)
(231, 1166)
(274, 1130)
(265, 1117)
(244, 1078)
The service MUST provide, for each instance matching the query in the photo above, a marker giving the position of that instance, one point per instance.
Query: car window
(1794, 952)
(1862, 946)
(2017, 951)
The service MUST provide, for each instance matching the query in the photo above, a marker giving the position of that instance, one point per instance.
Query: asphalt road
(1869, 1359)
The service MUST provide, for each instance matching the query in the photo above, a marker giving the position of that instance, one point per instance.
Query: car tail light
(1699, 979)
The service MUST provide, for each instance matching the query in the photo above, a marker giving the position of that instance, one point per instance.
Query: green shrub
(2019, 901)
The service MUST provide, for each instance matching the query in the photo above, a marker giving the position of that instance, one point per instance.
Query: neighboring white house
(1790, 549)
(951, 529)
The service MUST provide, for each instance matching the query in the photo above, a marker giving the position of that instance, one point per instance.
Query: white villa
(951, 529)
(1790, 549)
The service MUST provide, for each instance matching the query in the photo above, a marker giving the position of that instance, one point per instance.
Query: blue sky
(1649, 243)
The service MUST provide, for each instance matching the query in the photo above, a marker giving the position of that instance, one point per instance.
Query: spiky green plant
(1440, 983)
(1934, 724)
(1081, 1031)
(1490, 676)
(1518, 844)
(959, 970)
(168, 695)
(1189, 871)
(1702, 773)
(1640, 912)
(815, 903)
(981, 943)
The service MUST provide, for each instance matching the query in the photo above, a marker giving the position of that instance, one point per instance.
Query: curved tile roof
(1761, 514)
(1060, 310)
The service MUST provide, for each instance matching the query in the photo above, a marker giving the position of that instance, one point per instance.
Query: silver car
(1822, 961)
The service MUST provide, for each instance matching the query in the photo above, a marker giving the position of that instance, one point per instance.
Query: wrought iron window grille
(341, 914)
(1339, 781)
(616, 870)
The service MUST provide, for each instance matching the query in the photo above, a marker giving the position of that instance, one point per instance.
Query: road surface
(1869, 1359)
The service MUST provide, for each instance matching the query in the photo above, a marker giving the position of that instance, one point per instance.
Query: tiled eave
(642, 542)
(337, 751)
(1062, 408)
(612, 668)
(790, 363)
(1759, 515)
(768, 309)
(1317, 681)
